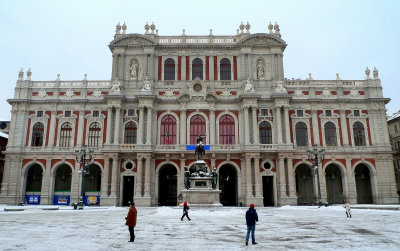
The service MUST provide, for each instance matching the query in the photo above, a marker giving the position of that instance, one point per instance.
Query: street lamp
(82, 158)
(317, 156)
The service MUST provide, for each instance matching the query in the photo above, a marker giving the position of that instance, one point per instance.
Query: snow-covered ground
(160, 228)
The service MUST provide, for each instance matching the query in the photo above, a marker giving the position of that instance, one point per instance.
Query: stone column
(255, 126)
(279, 124)
(147, 178)
(76, 185)
(104, 178)
(343, 123)
(292, 187)
(114, 177)
(116, 128)
(287, 125)
(257, 176)
(315, 129)
(351, 183)
(53, 119)
(212, 127)
(45, 193)
(183, 127)
(148, 134)
(322, 183)
(6, 172)
(246, 123)
(249, 184)
(81, 119)
(282, 180)
(138, 192)
(181, 175)
(141, 125)
(109, 115)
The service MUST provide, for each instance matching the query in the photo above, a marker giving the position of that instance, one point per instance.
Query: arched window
(65, 135)
(94, 134)
(197, 68)
(130, 133)
(265, 133)
(330, 134)
(225, 69)
(169, 69)
(37, 134)
(301, 134)
(359, 134)
(168, 130)
(197, 127)
(226, 130)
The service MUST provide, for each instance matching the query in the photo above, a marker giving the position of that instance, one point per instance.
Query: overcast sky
(324, 37)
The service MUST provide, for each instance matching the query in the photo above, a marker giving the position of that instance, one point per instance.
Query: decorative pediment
(132, 40)
(263, 40)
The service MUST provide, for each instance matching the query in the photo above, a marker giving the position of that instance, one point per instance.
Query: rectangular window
(67, 113)
(395, 129)
(356, 113)
(264, 112)
(328, 113)
(299, 113)
(40, 114)
(131, 112)
(96, 113)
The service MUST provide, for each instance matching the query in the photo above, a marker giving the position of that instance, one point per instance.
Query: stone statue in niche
(248, 86)
(146, 85)
(260, 70)
(116, 86)
(134, 70)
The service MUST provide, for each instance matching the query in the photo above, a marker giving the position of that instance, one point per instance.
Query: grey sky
(324, 37)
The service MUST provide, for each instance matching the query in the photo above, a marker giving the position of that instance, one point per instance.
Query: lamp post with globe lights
(317, 156)
(83, 156)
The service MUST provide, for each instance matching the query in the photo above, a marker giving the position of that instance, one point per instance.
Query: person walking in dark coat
(185, 211)
(131, 221)
(251, 218)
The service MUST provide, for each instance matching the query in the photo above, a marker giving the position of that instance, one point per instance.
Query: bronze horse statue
(199, 151)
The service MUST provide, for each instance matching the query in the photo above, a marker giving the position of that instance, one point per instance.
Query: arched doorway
(228, 185)
(167, 188)
(333, 177)
(92, 185)
(304, 185)
(363, 184)
(62, 185)
(33, 186)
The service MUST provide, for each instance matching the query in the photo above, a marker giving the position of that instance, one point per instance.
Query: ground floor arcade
(157, 180)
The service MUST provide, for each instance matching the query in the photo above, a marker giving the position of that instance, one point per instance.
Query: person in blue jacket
(251, 218)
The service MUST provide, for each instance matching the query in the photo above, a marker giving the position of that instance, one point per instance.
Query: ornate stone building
(394, 134)
(165, 91)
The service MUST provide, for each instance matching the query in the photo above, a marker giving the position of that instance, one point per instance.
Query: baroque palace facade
(164, 92)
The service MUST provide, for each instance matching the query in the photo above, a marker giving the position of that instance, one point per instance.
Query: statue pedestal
(200, 181)
(201, 193)
(202, 197)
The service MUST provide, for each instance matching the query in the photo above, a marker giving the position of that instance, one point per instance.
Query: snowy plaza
(224, 228)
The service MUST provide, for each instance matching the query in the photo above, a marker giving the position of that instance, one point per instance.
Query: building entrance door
(228, 185)
(268, 190)
(167, 192)
(129, 184)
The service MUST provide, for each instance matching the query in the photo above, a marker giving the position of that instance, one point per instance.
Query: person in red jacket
(185, 211)
(131, 221)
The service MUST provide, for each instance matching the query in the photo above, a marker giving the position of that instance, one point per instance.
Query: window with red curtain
(168, 130)
(226, 130)
(197, 127)
(130, 133)
(265, 133)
